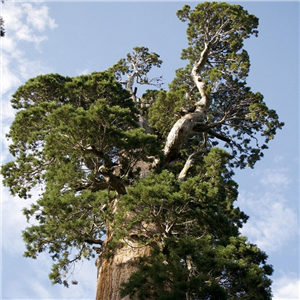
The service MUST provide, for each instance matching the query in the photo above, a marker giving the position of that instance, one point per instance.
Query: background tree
(134, 69)
(146, 183)
(2, 29)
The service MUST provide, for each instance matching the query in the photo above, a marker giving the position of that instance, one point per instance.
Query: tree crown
(82, 139)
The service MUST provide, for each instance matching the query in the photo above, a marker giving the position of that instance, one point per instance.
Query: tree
(2, 29)
(139, 181)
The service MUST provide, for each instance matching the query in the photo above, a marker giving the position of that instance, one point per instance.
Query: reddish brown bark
(115, 270)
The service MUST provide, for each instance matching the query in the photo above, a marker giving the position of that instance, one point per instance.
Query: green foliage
(50, 131)
(79, 139)
(65, 221)
(65, 131)
(199, 251)
(225, 26)
(137, 65)
(250, 124)
(165, 111)
(236, 112)
(216, 272)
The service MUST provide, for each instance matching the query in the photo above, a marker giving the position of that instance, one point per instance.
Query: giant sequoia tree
(145, 183)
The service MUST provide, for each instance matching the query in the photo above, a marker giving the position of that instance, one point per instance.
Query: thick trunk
(115, 270)
(117, 267)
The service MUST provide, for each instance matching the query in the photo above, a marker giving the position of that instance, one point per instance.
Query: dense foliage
(237, 116)
(68, 136)
(198, 252)
(81, 139)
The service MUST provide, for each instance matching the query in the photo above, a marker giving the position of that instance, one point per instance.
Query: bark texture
(186, 124)
(113, 271)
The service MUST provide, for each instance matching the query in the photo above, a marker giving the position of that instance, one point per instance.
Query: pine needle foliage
(97, 152)
(199, 252)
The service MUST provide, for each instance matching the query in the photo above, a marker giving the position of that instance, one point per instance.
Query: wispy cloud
(275, 178)
(272, 221)
(39, 18)
(24, 23)
(27, 22)
(31, 281)
(26, 26)
(287, 287)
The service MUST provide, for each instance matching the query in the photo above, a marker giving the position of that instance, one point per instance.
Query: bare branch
(188, 164)
(219, 136)
(94, 241)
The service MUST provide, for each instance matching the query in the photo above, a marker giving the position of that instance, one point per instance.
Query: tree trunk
(180, 132)
(115, 270)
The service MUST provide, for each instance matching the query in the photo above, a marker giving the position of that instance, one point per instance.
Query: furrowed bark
(116, 269)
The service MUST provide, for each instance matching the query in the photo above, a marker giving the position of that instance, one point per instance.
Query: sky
(79, 37)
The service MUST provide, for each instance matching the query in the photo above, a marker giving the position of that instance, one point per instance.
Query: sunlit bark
(185, 125)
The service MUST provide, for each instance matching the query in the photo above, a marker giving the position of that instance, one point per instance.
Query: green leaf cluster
(236, 112)
(64, 222)
(137, 64)
(66, 131)
(165, 111)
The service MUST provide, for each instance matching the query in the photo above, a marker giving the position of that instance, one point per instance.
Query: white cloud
(23, 22)
(286, 287)
(8, 45)
(26, 21)
(273, 222)
(9, 75)
(275, 178)
(39, 18)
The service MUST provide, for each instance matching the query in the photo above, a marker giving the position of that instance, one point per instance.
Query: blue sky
(76, 37)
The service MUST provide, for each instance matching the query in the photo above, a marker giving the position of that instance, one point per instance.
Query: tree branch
(94, 241)
(107, 161)
(219, 136)
(185, 125)
(188, 164)
(114, 181)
